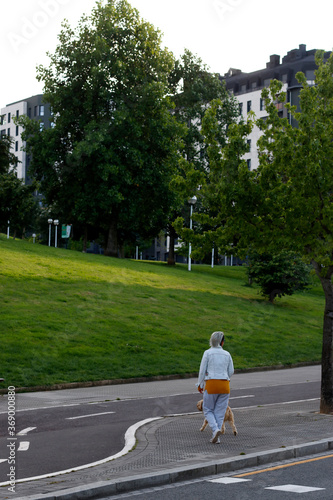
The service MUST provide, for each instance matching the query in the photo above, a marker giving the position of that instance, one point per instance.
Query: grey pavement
(172, 448)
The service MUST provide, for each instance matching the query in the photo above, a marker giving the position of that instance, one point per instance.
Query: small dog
(228, 417)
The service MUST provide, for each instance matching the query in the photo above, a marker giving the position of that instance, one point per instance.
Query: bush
(279, 274)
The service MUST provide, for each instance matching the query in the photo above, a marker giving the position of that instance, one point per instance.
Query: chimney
(274, 61)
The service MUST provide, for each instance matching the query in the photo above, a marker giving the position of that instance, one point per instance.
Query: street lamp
(8, 230)
(56, 223)
(50, 222)
(192, 201)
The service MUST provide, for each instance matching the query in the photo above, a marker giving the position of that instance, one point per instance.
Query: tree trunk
(111, 249)
(326, 398)
(85, 238)
(172, 236)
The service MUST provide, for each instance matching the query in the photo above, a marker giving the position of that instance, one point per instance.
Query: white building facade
(34, 108)
(247, 88)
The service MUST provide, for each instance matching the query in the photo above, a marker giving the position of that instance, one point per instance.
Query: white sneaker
(216, 435)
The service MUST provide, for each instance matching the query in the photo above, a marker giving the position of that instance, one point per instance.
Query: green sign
(66, 231)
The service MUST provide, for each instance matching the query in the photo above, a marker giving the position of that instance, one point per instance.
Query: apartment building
(34, 108)
(247, 88)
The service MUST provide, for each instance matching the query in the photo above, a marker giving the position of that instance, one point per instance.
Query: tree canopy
(108, 159)
(193, 86)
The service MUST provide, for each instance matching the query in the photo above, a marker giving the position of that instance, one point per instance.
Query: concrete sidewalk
(171, 448)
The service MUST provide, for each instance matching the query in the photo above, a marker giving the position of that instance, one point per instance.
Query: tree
(17, 203)
(194, 87)
(287, 202)
(278, 274)
(109, 158)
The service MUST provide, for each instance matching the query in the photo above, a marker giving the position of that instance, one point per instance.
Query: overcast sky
(224, 33)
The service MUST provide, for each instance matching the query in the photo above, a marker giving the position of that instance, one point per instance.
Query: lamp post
(50, 223)
(192, 201)
(56, 223)
(8, 230)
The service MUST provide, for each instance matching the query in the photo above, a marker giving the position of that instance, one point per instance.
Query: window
(8, 117)
(29, 112)
(249, 104)
(243, 87)
(249, 145)
(253, 85)
(2, 120)
(41, 110)
(16, 146)
(17, 113)
(310, 76)
(240, 108)
(267, 82)
(8, 131)
(248, 164)
(41, 126)
(262, 104)
(35, 111)
(284, 78)
(17, 130)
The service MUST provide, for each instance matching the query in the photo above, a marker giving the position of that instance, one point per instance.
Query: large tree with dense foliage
(110, 156)
(287, 202)
(194, 86)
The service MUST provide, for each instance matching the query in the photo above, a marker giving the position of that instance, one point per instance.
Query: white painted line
(243, 397)
(228, 480)
(24, 446)
(45, 407)
(91, 415)
(24, 432)
(3, 460)
(129, 444)
(276, 404)
(294, 488)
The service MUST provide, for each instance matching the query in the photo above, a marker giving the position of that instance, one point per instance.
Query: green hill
(69, 317)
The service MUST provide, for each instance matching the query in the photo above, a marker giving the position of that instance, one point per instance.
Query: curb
(186, 473)
(155, 378)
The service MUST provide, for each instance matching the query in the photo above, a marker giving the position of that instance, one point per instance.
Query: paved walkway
(172, 448)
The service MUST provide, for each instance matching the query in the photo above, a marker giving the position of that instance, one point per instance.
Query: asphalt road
(62, 436)
(309, 478)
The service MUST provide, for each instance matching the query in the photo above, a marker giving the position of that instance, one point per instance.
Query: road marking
(130, 442)
(228, 480)
(242, 397)
(24, 446)
(277, 467)
(3, 460)
(276, 404)
(91, 415)
(294, 488)
(24, 432)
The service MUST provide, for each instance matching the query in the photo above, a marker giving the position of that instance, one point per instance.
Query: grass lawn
(72, 317)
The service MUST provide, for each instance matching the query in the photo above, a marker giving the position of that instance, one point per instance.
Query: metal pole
(190, 246)
(50, 225)
(8, 231)
(213, 257)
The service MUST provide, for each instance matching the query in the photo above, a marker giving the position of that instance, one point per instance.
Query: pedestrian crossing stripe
(229, 480)
(294, 488)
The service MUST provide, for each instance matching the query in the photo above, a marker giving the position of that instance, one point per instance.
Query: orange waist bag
(214, 386)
